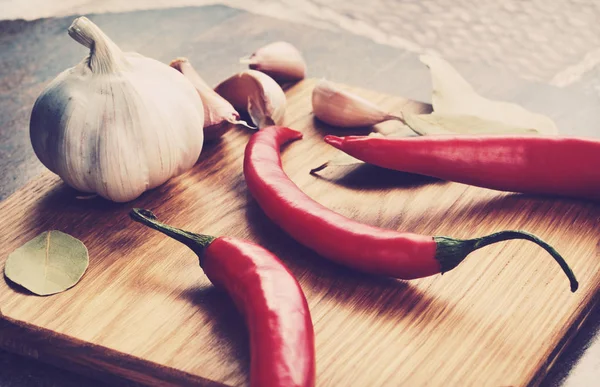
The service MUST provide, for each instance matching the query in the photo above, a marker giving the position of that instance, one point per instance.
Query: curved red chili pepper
(528, 164)
(366, 248)
(268, 296)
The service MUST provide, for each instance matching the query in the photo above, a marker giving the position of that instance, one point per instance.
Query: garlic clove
(219, 115)
(256, 93)
(280, 60)
(340, 108)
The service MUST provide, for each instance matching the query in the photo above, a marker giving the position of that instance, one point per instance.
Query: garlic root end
(247, 60)
(105, 56)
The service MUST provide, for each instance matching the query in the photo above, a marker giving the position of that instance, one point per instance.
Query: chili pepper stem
(196, 242)
(451, 252)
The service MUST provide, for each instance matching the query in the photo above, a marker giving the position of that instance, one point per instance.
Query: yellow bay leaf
(452, 94)
(438, 123)
(50, 263)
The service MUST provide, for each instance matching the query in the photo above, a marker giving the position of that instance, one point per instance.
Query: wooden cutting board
(145, 312)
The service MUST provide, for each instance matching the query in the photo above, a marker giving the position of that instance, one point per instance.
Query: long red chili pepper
(268, 296)
(528, 164)
(366, 248)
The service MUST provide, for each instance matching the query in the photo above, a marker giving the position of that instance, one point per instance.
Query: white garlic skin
(280, 60)
(117, 127)
(343, 109)
(258, 94)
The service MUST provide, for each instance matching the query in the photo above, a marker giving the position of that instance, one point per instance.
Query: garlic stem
(105, 56)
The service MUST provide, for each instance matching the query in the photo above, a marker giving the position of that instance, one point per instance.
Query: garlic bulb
(345, 110)
(116, 124)
(256, 93)
(219, 115)
(280, 60)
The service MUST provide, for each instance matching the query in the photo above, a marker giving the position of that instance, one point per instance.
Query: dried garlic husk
(219, 115)
(280, 60)
(345, 110)
(452, 94)
(256, 93)
(116, 124)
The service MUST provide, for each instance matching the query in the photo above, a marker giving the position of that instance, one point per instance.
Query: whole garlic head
(116, 124)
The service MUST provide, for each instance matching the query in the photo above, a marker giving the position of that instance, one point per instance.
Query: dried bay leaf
(440, 123)
(50, 263)
(452, 94)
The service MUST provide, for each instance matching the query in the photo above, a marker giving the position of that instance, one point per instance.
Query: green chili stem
(196, 242)
(451, 252)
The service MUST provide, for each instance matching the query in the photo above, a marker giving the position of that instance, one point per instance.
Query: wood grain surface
(32, 53)
(145, 312)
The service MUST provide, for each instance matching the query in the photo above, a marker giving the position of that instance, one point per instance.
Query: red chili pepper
(268, 296)
(363, 247)
(528, 164)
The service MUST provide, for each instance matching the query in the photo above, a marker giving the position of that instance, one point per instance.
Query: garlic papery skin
(116, 124)
(256, 93)
(280, 60)
(219, 115)
(340, 108)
